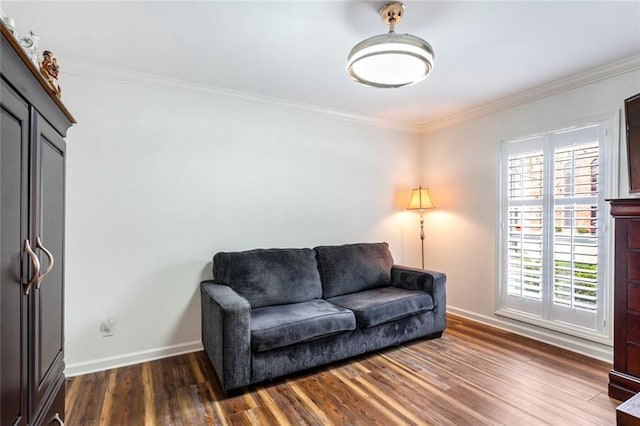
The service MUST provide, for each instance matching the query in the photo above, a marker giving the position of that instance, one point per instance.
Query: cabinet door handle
(35, 264)
(49, 257)
(57, 418)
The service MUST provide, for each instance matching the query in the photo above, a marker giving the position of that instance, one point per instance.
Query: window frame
(610, 176)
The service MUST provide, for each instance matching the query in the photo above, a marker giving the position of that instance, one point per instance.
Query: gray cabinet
(32, 173)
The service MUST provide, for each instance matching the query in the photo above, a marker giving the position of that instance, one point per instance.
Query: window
(553, 220)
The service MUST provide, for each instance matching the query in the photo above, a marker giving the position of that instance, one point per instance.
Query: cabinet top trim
(35, 72)
(629, 207)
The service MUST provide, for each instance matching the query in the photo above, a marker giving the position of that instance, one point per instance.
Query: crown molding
(135, 78)
(593, 75)
(153, 81)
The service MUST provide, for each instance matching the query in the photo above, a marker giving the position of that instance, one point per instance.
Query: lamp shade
(420, 199)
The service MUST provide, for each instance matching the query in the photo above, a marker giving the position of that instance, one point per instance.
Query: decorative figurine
(30, 45)
(50, 69)
(10, 24)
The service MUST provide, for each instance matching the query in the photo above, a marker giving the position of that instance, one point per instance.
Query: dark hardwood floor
(473, 375)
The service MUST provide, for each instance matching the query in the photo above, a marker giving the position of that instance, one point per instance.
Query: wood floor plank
(148, 390)
(400, 403)
(473, 375)
(344, 400)
(389, 415)
(531, 374)
(407, 400)
(212, 414)
(440, 399)
(313, 408)
(269, 404)
(531, 393)
(107, 407)
(524, 376)
(85, 395)
(498, 410)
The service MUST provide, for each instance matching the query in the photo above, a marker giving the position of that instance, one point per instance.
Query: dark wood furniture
(32, 172)
(632, 121)
(624, 379)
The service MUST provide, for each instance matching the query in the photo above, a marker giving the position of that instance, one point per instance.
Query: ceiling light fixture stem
(392, 25)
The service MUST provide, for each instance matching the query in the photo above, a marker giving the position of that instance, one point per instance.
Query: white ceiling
(296, 50)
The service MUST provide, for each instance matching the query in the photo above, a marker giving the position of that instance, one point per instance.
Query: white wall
(161, 178)
(460, 165)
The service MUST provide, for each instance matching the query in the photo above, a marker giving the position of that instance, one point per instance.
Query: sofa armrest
(226, 334)
(430, 282)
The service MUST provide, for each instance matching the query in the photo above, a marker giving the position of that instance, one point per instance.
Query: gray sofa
(271, 312)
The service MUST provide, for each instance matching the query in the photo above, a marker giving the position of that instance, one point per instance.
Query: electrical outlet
(106, 327)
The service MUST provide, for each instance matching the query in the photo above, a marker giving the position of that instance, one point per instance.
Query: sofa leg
(435, 335)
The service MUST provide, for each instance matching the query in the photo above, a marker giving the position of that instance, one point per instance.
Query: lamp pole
(422, 235)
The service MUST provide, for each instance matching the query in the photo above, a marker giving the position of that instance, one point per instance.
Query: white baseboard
(574, 344)
(585, 347)
(101, 364)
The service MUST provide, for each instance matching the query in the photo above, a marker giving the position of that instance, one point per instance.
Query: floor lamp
(420, 201)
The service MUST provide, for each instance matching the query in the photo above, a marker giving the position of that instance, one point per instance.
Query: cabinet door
(14, 270)
(47, 301)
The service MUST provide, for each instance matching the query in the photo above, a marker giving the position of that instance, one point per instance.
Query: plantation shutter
(552, 207)
(577, 208)
(524, 239)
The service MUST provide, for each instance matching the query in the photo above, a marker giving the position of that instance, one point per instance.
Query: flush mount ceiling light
(390, 60)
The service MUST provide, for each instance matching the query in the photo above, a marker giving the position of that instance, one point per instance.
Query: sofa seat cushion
(282, 325)
(381, 305)
(270, 276)
(351, 268)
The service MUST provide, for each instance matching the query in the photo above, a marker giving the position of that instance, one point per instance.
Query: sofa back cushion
(270, 276)
(353, 267)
